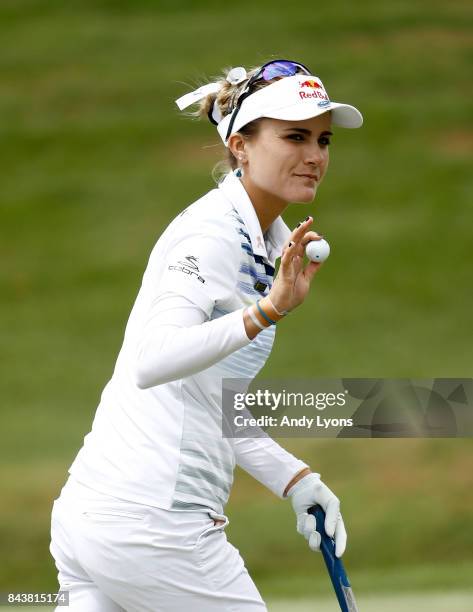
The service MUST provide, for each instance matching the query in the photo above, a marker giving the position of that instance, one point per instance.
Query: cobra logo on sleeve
(189, 267)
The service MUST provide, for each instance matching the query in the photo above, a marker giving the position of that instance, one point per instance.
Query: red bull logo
(317, 90)
(311, 83)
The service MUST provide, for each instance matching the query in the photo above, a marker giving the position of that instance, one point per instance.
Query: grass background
(95, 161)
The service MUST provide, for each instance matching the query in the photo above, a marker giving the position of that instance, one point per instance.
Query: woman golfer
(139, 525)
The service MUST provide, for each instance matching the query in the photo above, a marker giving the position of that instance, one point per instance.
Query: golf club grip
(334, 565)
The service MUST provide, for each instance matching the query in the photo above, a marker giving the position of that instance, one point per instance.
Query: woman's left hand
(292, 283)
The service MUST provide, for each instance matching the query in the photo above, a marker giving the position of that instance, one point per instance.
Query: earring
(238, 172)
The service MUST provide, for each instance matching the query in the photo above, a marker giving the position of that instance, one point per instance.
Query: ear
(236, 144)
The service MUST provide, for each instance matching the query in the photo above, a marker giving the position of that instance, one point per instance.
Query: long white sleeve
(177, 341)
(268, 462)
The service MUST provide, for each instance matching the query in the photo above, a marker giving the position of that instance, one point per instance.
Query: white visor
(291, 98)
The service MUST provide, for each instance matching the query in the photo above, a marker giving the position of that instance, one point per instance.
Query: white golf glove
(307, 492)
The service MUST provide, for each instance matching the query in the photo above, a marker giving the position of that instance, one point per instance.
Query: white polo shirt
(157, 435)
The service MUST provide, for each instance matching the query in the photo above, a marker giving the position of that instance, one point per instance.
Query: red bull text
(317, 90)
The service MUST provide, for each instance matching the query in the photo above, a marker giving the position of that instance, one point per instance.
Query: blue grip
(334, 565)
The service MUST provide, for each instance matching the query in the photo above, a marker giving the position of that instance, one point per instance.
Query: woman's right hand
(292, 283)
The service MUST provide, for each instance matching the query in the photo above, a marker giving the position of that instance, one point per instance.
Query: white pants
(116, 556)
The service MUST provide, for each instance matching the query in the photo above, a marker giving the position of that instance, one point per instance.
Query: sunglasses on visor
(267, 72)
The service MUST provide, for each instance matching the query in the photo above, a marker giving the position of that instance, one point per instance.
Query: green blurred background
(95, 160)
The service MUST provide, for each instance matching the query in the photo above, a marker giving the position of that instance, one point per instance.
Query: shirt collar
(270, 245)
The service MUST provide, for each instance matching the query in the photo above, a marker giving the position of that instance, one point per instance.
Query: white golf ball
(317, 250)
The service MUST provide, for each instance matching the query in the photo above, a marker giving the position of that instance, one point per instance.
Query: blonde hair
(225, 100)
